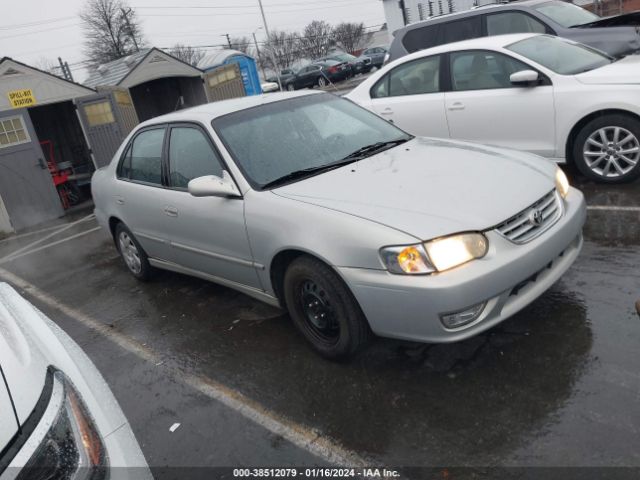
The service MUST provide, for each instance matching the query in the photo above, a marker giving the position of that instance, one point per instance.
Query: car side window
(145, 162)
(513, 22)
(191, 156)
(481, 70)
(459, 30)
(381, 89)
(420, 38)
(415, 77)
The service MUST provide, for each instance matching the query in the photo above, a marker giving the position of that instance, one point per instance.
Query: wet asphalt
(556, 385)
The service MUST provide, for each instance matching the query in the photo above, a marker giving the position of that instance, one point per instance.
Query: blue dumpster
(246, 63)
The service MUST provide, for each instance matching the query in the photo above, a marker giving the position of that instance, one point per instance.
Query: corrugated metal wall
(223, 83)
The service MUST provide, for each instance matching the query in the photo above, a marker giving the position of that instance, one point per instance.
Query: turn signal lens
(449, 252)
(562, 183)
(410, 260)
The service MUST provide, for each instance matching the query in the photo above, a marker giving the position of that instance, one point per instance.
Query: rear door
(140, 195)
(411, 97)
(484, 106)
(26, 185)
(207, 234)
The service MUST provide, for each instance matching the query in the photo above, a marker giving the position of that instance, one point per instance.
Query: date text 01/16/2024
(315, 473)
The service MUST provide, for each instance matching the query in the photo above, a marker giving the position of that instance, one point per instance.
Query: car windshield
(561, 56)
(566, 14)
(273, 140)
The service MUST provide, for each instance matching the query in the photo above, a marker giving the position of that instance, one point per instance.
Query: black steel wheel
(323, 309)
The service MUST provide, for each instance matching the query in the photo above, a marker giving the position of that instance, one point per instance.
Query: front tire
(324, 310)
(322, 82)
(607, 149)
(291, 87)
(134, 256)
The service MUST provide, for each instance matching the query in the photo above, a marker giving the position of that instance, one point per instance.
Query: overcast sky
(31, 30)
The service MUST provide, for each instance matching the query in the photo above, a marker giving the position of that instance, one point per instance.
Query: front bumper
(508, 278)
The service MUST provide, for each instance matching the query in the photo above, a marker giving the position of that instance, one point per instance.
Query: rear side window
(143, 159)
(411, 78)
(459, 30)
(191, 156)
(420, 38)
(513, 22)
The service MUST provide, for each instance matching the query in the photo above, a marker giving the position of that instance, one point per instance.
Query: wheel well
(113, 223)
(279, 266)
(578, 126)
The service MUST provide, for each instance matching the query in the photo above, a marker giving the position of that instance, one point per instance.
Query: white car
(268, 87)
(58, 418)
(537, 93)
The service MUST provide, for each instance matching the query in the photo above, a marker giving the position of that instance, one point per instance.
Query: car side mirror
(525, 78)
(213, 186)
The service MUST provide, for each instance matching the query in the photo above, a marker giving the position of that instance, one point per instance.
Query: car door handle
(171, 211)
(457, 106)
(386, 111)
(120, 200)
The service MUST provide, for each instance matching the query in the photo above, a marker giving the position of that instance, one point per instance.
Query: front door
(410, 96)
(207, 234)
(26, 185)
(483, 106)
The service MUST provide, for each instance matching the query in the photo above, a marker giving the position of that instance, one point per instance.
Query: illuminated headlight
(70, 446)
(562, 183)
(449, 252)
(435, 256)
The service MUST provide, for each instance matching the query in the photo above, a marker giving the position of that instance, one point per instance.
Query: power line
(35, 23)
(40, 31)
(253, 6)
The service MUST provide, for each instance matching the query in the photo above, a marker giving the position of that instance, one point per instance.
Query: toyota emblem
(535, 218)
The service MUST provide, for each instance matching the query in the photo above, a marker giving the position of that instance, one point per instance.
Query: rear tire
(607, 149)
(135, 258)
(291, 87)
(324, 310)
(322, 82)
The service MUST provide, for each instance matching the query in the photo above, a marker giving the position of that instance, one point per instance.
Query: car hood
(631, 19)
(429, 187)
(625, 71)
(23, 364)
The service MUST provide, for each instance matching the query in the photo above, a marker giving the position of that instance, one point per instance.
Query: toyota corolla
(311, 203)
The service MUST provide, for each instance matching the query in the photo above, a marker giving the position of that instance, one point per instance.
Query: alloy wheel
(130, 252)
(611, 151)
(322, 82)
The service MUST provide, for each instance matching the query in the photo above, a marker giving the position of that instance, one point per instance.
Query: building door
(106, 118)
(223, 82)
(26, 186)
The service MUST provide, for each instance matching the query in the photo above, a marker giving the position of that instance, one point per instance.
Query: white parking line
(299, 435)
(13, 256)
(613, 208)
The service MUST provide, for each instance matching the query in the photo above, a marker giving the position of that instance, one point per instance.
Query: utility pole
(125, 14)
(228, 40)
(255, 42)
(273, 58)
(403, 10)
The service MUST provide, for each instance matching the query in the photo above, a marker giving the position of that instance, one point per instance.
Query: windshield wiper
(307, 172)
(377, 147)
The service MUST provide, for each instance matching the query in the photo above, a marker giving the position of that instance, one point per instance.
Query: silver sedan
(313, 204)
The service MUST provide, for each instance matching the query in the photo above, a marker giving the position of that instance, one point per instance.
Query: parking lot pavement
(556, 385)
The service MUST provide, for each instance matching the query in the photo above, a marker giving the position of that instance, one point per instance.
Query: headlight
(411, 259)
(449, 252)
(70, 446)
(436, 255)
(562, 183)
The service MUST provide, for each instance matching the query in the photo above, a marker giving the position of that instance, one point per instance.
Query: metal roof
(111, 73)
(218, 57)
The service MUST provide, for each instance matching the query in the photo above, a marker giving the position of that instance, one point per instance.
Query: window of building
(13, 132)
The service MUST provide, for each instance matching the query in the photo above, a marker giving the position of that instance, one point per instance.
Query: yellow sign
(21, 98)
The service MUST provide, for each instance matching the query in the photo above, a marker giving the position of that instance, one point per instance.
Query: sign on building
(21, 98)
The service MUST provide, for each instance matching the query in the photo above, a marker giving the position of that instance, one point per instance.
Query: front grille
(533, 220)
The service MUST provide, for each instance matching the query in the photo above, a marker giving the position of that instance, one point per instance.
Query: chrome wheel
(611, 152)
(130, 253)
(322, 82)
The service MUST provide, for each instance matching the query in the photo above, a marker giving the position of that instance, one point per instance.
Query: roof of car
(209, 111)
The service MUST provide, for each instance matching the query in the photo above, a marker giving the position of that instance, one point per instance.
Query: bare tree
(242, 44)
(47, 65)
(351, 36)
(282, 46)
(111, 31)
(317, 39)
(187, 54)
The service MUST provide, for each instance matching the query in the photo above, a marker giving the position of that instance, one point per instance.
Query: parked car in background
(58, 418)
(618, 36)
(355, 64)
(285, 75)
(537, 93)
(373, 57)
(318, 74)
(309, 202)
(268, 87)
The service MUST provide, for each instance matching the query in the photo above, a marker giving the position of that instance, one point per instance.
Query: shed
(158, 83)
(246, 64)
(43, 148)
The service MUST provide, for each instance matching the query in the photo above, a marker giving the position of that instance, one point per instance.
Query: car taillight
(333, 69)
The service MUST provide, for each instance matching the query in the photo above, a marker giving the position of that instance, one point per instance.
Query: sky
(32, 31)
